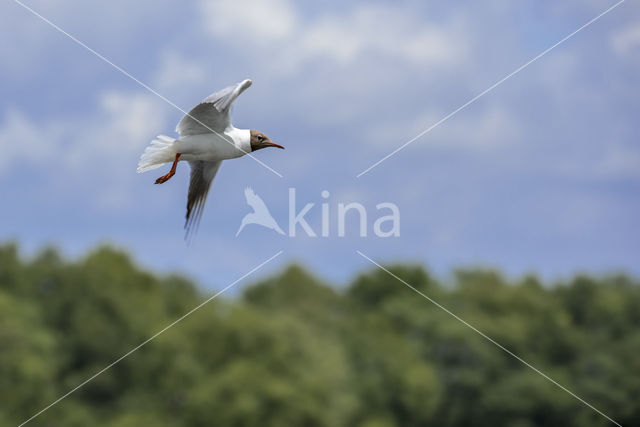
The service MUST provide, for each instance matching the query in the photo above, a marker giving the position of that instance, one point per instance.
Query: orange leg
(165, 178)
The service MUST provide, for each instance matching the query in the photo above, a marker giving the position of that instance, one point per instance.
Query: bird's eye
(260, 138)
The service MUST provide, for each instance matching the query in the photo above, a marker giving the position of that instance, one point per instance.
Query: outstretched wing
(202, 174)
(255, 201)
(212, 114)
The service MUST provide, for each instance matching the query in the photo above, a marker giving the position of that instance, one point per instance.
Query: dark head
(260, 140)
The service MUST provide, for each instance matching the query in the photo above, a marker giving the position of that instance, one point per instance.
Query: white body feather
(209, 147)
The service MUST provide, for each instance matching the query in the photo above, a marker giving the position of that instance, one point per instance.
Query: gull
(206, 138)
(260, 214)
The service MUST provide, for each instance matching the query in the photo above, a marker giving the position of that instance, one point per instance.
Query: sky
(539, 175)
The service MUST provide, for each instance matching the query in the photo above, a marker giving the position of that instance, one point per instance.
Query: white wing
(202, 174)
(212, 114)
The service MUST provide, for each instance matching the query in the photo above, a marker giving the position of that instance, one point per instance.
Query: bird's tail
(160, 151)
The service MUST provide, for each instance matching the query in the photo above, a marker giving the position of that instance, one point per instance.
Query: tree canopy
(294, 350)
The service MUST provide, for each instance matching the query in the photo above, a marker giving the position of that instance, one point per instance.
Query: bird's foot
(167, 177)
(164, 178)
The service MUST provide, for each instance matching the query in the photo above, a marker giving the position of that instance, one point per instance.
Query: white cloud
(122, 126)
(130, 115)
(274, 29)
(249, 20)
(177, 71)
(22, 140)
(89, 146)
(618, 162)
(626, 42)
(380, 30)
(104, 26)
(483, 130)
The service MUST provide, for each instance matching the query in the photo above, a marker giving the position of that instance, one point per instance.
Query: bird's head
(260, 140)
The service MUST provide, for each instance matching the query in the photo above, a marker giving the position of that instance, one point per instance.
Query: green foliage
(293, 350)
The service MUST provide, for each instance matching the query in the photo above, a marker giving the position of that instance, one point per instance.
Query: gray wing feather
(213, 112)
(202, 174)
(223, 99)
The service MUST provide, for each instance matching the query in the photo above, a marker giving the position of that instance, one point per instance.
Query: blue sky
(540, 175)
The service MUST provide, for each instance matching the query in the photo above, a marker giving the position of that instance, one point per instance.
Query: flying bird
(206, 138)
(260, 214)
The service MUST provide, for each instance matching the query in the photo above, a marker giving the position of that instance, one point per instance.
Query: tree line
(292, 349)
